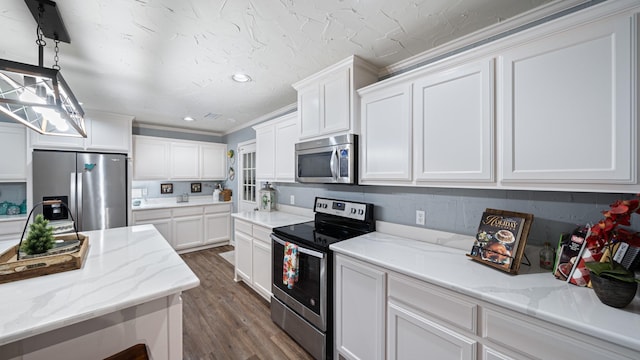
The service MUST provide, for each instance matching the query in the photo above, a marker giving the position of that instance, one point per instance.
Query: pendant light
(39, 97)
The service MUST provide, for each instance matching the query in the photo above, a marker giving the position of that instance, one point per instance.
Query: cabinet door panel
(243, 257)
(309, 110)
(150, 159)
(213, 161)
(411, 337)
(265, 153)
(216, 228)
(187, 232)
(567, 107)
(286, 136)
(359, 310)
(453, 116)
(162, 225)
(262, 268)
(109, 132)
(386, 134)
(335, 114)
(13, 141)
(185, 161)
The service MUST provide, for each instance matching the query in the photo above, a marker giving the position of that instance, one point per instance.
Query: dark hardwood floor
(223, 319)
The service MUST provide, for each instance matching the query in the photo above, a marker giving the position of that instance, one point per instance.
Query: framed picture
(166, 188)
(501, 239)
(196, 187)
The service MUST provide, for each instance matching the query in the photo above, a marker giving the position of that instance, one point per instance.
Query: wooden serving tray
(13, 270)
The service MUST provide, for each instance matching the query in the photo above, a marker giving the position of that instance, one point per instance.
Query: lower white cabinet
(360, 291)
(253, 257)
(425, 321)
(190, 228)
(12, 229)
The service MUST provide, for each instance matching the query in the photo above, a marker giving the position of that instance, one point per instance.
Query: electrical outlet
(292, 200)
(420, 217)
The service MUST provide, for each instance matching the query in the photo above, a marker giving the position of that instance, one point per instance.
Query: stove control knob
(324, 206)
(360, 212)
(353, 211)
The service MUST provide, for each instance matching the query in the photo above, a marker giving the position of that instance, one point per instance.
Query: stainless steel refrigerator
(93, 185)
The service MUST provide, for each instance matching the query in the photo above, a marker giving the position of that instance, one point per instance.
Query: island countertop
(124, 267)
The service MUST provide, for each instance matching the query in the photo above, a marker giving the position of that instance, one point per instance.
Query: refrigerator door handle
(80, 199)
(72, 195)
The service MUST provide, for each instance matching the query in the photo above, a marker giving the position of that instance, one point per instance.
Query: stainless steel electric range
(302, 301)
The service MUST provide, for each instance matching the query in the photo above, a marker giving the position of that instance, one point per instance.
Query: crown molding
(143, 125)
(272, 115)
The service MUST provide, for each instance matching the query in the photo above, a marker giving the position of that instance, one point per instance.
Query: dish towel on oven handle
(290, 265)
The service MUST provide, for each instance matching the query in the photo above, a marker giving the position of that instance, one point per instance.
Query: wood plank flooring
(223, 319)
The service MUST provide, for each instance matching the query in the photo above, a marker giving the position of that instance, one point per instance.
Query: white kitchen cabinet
(39, 141)
(328, 102)
(265, 151)
(360, 297)
(568, 106)
(217, 224)
(243, 251)
(185, 161)
(213, 161)
(12, 229)
(386, 134)
(13, 152)
(275, 149)
(168, 159)
(411, 336)
(454, 123)
(489, 353)
(190, 228)
(160, 218)
(187, 227)
(108, 132)
(150, 158)
(253, 257)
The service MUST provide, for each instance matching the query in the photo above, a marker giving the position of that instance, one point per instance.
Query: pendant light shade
(39, 97)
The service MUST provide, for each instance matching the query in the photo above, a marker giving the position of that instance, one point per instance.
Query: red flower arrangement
(608, 231)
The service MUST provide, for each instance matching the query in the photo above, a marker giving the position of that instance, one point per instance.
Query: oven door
(308, 296)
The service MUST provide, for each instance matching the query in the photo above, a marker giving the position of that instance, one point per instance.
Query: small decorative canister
(267, 199)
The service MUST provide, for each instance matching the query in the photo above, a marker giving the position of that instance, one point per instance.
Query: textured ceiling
(161, 60)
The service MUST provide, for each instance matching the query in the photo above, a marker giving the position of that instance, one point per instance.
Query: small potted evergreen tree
(40, 238)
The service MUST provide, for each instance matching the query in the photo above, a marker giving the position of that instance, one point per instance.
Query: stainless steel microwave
(331, 160)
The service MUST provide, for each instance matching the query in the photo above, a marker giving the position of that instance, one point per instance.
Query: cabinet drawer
(262, 233)
(151, 215)
(12, 227)
(513, 332)
(434, 302)
(212, 209)
(243, 227)
(187, 211)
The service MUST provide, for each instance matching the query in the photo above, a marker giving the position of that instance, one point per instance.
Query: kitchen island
(127, 292)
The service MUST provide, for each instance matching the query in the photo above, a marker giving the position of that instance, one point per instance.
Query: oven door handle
(301, 249)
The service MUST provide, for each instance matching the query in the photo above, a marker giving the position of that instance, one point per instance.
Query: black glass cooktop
(316, 235)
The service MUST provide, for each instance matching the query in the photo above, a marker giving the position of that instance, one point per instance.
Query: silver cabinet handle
(301, 249)
(333, 163)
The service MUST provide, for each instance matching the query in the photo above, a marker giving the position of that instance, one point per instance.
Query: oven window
(307, 289)
(315, 165)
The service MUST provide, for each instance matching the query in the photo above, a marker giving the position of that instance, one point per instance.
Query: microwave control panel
(346, 209)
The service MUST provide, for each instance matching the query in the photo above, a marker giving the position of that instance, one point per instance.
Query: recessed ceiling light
(188, 118)
(240, 77)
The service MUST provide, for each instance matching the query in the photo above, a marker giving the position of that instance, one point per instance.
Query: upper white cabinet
(13, 152)
(167, 159)
(150, 158)
(185, 161)
(454, 123)
(568, 106)
(213, 161)
(328, 102)
(386, 134)
(275, 149)
(105, 132)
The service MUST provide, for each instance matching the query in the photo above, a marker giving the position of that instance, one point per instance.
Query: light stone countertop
(272, 219)
(124, 267)
(172, 202)
(538, 295)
